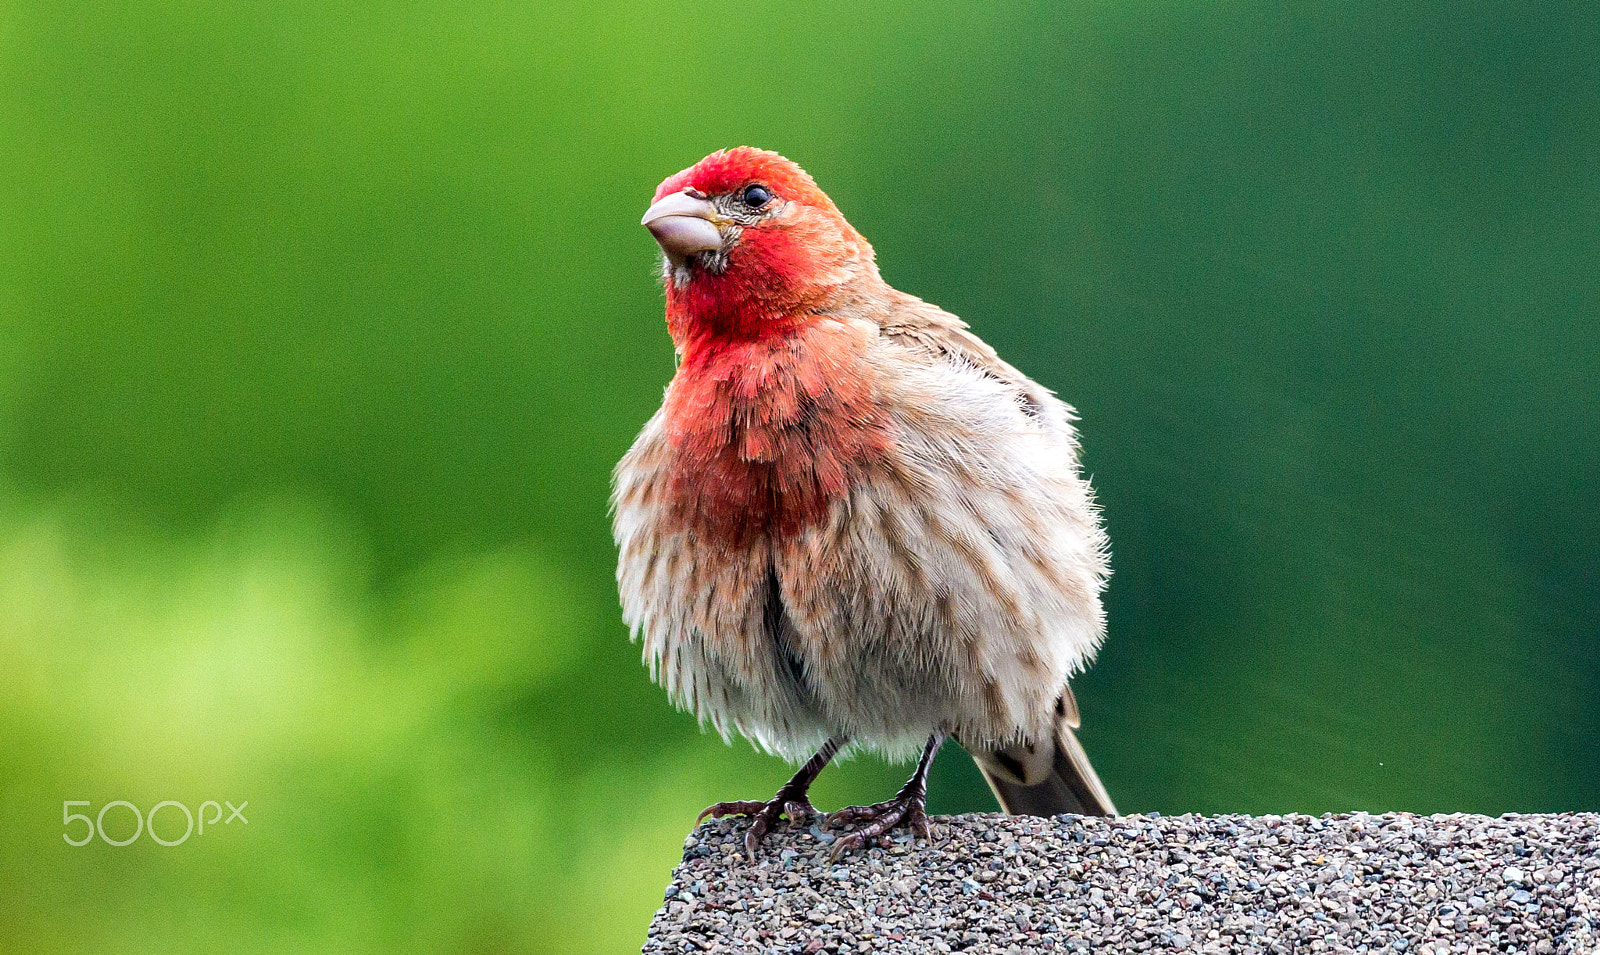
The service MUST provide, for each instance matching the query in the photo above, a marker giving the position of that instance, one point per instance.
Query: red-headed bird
(851, 524)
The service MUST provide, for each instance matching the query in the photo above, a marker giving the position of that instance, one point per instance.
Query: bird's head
(750, 246)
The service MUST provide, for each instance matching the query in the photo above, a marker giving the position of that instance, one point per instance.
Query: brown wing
(1067, 781)
(916, 324)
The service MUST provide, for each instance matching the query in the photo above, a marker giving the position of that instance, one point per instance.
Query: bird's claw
(764, 815)
(875, 822)
(742, 807)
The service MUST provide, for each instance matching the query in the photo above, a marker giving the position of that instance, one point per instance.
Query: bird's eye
(756, 196)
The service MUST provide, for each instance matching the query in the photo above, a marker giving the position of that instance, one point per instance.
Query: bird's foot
(871, 823)
(764, 815)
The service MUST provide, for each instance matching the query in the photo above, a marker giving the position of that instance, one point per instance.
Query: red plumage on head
(728, 169)
(779, 273)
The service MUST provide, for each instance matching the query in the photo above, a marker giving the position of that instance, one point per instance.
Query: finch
(851, 525)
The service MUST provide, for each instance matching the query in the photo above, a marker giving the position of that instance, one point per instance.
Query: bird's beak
(683, 225)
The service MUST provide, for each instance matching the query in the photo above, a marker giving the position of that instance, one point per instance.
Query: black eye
(756, 196)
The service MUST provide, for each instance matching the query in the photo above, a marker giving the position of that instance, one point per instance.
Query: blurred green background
(322, 325)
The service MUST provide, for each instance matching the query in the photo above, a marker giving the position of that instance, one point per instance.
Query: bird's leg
(790, 801)
(907, 808)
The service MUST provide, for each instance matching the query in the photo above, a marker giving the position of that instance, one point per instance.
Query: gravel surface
(1417, 885)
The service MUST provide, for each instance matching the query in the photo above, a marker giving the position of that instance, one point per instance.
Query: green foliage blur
(322, 325)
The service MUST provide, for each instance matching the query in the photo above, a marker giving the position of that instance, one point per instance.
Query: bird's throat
(768, 432)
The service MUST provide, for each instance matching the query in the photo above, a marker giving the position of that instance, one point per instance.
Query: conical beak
(683, 225)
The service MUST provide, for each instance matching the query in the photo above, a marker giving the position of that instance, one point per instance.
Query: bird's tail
(1029, 781)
